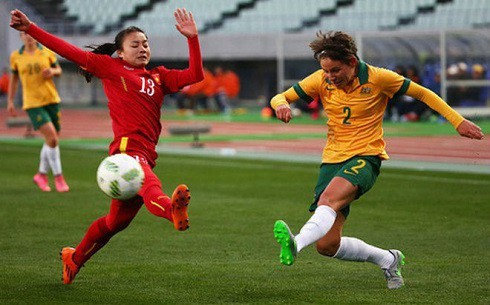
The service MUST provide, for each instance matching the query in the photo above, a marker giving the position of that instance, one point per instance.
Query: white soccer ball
(120, 176)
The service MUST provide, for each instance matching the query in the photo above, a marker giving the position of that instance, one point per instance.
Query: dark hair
(110, 48)
(336, 45)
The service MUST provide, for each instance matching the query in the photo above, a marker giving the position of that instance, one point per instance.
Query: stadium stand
(266, 40)
(264, 16)
(111, 17)
(55, 18)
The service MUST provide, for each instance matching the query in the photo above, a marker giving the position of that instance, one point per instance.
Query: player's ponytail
(106, 48)
(109, 48)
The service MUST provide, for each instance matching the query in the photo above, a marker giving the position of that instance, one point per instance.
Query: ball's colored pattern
(120, 176)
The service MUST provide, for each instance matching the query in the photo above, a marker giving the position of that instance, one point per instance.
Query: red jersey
(135, 95)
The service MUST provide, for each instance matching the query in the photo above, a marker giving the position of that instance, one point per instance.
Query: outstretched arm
(187, 27)
(20, 22)
(463, 126)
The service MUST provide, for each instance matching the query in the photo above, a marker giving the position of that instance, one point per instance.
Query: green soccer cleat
(286, 239)
(393, 273)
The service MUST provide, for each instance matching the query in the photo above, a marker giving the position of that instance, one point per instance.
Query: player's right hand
(185, 23)
(283, 113)
(19, 21)
(11, 109)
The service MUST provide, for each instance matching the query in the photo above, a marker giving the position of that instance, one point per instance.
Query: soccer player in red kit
(135, 98)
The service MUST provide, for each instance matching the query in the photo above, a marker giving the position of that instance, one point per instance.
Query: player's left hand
(185, 23)
(283, 113)
(470, 130)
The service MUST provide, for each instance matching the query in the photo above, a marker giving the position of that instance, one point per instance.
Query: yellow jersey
(36, 90)
(355, 117)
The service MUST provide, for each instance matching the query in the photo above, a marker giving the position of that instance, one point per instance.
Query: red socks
(157, 202)
(121, 214)
(100, 231)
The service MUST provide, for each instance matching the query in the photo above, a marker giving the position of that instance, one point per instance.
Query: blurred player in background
(135, 98)
(354, 96)
(35, 66)
(195, 97)
(227, 88)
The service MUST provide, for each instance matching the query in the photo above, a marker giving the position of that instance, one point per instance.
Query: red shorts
(135, 146)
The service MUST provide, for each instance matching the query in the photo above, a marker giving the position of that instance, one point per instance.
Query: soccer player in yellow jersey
(354, 96)
(35, 66)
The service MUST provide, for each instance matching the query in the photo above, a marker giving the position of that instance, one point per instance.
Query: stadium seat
(276, 16)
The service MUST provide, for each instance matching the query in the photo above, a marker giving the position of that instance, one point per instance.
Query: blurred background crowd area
(262, 46)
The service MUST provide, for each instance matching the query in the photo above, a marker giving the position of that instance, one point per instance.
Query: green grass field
(229, 256)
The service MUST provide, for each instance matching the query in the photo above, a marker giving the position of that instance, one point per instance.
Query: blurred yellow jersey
(355, 117)
(36, 90)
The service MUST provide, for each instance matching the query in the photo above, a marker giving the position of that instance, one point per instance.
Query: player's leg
(353, 249)
(41, 177)
(333, 244)
(160, 204)
(338, 185)
(329, 244)
(283, 234)
(41, 121)
(156, 201)
(98, 234)
(51, 135)
(52, 155)
(337, 195)
(222, 102)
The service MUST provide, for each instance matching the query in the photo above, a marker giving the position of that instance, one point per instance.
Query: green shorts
(361, 171)
(45, 114)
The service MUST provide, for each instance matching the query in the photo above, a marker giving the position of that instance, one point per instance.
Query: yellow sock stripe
(123, 145)
(91, 248)
(157, 205)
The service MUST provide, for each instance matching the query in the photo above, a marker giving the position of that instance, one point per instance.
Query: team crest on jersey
(366, 90)
(156, 77)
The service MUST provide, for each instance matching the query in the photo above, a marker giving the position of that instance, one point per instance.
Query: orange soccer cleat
(60, 183)
(41, 180)
(70, 269)
(180, 201)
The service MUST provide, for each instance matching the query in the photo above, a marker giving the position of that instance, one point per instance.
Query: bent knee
(327, 249)
(52, 142)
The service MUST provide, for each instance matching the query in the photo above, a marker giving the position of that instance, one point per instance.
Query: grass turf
(439, 221)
